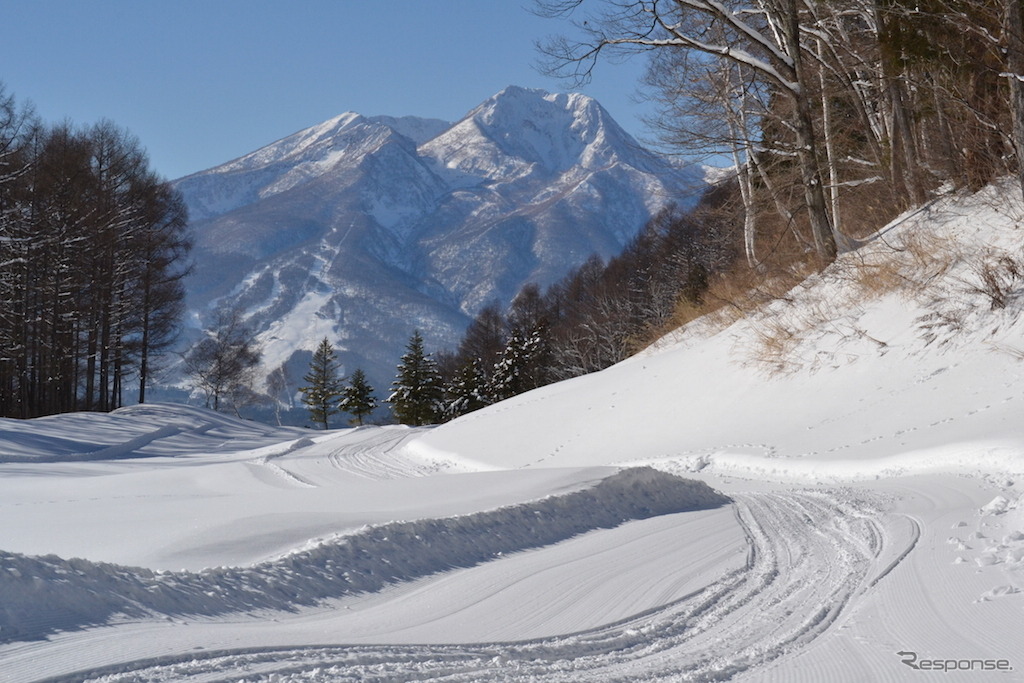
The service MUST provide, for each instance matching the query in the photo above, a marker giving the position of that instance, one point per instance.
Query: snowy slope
(838, 372)
(873, 520)
(362, 229)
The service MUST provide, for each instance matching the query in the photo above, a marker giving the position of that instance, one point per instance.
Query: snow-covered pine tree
(506, 377)
(357, 398)
(467, 391)
(416, 392)
(323, 385)
(522, 366)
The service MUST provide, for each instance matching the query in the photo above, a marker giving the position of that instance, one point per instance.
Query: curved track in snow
(811, 554)
(378, 455)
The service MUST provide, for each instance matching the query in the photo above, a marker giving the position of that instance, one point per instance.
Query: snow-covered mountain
(362, 229)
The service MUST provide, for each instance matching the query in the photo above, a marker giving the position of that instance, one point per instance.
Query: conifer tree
(506, 378)
(467, 391)
(416, 392)
(522, 366)
(323, 385)
(357, 398)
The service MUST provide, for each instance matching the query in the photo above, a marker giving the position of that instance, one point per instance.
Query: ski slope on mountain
(828, 489)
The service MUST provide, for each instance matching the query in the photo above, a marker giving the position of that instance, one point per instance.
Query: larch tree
(93, 248)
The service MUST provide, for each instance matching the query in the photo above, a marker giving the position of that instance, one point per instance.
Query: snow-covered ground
(825, 491)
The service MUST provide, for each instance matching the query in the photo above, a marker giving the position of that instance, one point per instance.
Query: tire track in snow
(378, 456)
(811, 554)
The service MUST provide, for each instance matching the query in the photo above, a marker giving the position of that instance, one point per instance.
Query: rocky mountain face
(363, 229)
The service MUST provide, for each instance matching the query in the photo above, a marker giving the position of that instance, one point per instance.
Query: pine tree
(323, 390)
(467, 391)
(506, 378)
(357, 398)
(523, 364)
(416, 392)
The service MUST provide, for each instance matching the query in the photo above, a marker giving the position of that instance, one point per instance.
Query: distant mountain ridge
(362, 229)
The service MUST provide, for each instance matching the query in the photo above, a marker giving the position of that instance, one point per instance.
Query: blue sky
(202, 82)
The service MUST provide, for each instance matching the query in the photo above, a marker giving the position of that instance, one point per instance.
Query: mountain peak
(533, 132)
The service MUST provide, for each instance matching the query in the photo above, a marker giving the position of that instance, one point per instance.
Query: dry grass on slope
(952, 264)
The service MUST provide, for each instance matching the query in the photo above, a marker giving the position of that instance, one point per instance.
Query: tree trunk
(806, 144)
(1014, 29)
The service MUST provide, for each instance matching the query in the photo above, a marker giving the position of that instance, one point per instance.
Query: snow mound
(40, 595)
(147, 430)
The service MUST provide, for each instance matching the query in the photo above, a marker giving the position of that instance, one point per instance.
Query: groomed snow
(827, 491)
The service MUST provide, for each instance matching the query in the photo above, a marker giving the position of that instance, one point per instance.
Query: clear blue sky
(201, 82)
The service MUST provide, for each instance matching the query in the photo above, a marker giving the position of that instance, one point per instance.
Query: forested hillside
(833, 118)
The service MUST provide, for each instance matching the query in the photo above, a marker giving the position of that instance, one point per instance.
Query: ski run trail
(838, 503)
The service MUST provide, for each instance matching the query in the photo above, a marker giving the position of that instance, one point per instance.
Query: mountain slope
(855, 363)
(362, 229)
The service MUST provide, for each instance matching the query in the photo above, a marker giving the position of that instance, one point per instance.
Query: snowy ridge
(149, 430)
(895, 350)
(61, 594)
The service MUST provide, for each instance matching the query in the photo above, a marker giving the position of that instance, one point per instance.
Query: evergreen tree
(357, 398)
(506, 378)
(467, 391)
(416, 392)
(323, 389)
(523, 364)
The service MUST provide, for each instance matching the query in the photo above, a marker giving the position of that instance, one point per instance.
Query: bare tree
(223, 363)
(765, 37)
(158, 290)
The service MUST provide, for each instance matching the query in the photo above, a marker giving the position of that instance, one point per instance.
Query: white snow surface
(827, 490)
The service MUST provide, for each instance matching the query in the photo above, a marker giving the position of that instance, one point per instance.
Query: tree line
(597, 315)
(93, 250)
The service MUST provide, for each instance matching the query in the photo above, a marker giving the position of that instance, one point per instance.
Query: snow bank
(138, 431)
(40, 595)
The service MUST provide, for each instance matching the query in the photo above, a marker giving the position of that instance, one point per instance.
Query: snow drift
(39, 595)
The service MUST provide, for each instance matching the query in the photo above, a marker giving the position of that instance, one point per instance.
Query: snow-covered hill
(865, 431)
(362, 229)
